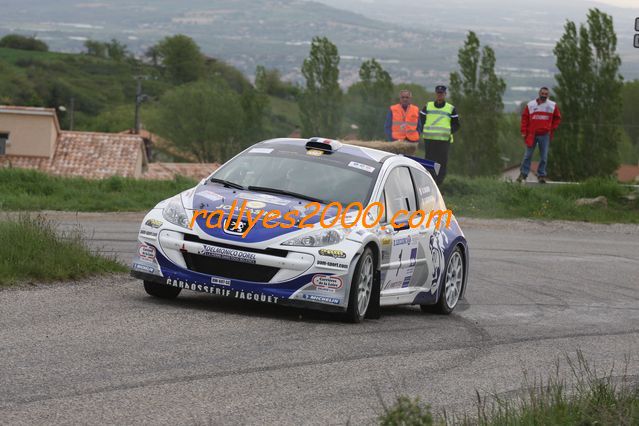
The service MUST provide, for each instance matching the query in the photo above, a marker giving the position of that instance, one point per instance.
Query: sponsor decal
(228, 207)
(424, 190)
(315, 152)
(392, 284)
(255, 205)
(148, 233)
(261, 151)
(327, 283)
(409, 275)
(322, 299)
(437, 244)
(401, 241)
(154, 223)
(220, 281)
(267, 198)
(386, 241)
(227, 254)
(337, 254)
(226, 292)
(361, 166)
(413, 256)
(210, 195)
(144, 268)
(332, 264)
(146, 252)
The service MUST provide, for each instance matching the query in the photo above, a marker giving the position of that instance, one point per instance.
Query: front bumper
(301, 277)
(238, 294)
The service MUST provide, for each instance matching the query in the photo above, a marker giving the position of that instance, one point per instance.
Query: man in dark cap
(437, 122)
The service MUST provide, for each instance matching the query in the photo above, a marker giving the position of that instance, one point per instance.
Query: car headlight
(321, 238)
(174, 212)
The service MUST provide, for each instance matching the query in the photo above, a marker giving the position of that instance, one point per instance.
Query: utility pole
(72, 114)
(139, 98)
(138, 101)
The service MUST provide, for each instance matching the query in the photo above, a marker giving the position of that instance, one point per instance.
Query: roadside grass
(490, 198)
(32, 250)
(587, 399)
(30, 190)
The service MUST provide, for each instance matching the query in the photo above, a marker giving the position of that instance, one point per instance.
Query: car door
(404, 262)
(430, 240)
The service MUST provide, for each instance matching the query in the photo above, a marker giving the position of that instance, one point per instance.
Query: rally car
(353, 267)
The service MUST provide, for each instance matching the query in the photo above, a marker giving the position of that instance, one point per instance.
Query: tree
(255, 103)
(181, 58)
(589, 95)
(153, 54)
(96, 48)
(269, 81)
(321, 100)
(116, 50)
(477, 94)
(17, 41)
(630, 118)
(204, 118)
(371, 97)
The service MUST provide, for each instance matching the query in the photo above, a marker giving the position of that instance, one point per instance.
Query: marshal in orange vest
(405, 123)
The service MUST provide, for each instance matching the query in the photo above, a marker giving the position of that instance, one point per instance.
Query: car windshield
(304, 175)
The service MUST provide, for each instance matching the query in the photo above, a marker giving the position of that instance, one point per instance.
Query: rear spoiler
(427, 164)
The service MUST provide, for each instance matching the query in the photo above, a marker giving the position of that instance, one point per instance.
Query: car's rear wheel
(361, 287)
(451, 286)
(160, 290)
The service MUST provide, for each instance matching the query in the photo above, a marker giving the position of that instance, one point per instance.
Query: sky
(621, 3)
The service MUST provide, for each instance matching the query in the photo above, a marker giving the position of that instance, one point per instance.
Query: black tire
(161, 290)
(356, 313)
(442, 306)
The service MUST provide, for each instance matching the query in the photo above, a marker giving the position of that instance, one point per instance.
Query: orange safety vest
(405, 123)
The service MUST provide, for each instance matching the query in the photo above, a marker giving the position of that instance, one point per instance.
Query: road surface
(101, 351)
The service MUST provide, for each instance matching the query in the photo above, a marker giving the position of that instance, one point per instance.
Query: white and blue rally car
(351, 270)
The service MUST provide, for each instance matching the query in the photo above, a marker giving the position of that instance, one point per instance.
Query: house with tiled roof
(32, 138)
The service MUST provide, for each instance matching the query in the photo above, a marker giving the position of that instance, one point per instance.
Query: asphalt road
(103, 352)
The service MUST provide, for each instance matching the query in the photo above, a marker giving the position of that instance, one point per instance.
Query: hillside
(103, 90)
(274, 33)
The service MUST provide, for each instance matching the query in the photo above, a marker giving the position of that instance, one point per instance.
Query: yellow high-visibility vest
(438, 122)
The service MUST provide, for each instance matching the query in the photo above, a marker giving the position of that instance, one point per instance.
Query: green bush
(35, 251)
(407, 412)
(17, 41)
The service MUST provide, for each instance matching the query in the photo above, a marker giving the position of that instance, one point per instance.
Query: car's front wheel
(451, 287)
(160, 290)
(361, 287)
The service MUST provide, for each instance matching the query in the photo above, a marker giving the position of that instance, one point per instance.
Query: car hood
(212, 196)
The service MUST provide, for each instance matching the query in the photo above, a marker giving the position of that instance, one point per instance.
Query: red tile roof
(87, 154)
(627, 173)
(97, 155)
(195, 171)
(163, 145)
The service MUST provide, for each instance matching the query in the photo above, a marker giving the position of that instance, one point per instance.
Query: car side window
(426, 191)
(399, 192)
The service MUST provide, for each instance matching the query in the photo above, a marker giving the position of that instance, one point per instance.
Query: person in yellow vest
(437, 122)
(402, 119)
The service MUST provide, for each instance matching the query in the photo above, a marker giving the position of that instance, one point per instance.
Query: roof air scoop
(323, 144)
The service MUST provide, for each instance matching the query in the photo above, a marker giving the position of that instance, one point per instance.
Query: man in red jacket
(539, 120)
